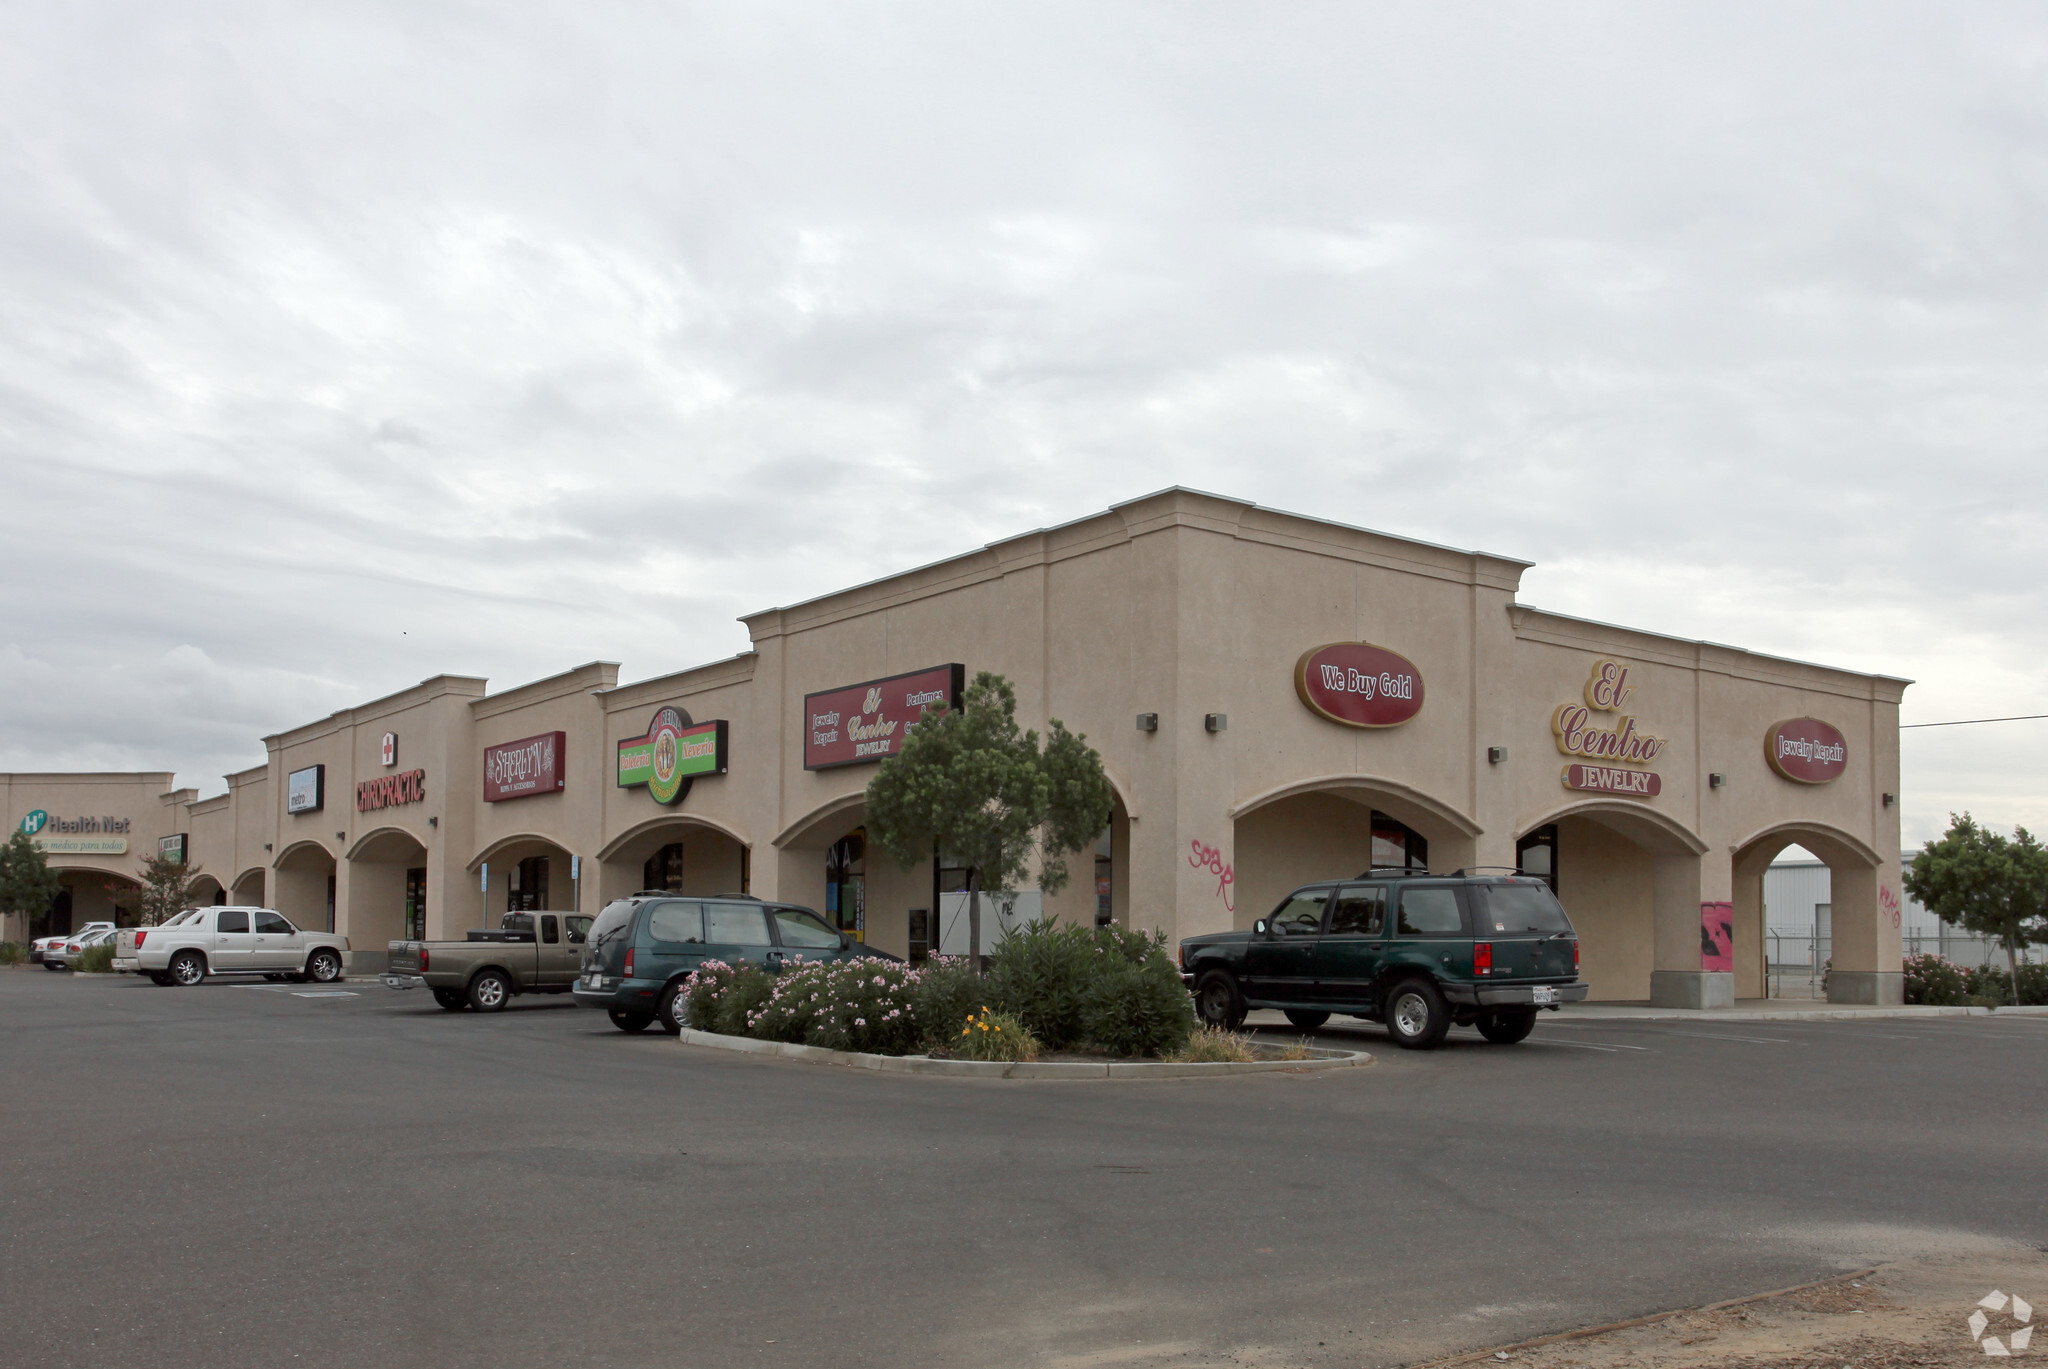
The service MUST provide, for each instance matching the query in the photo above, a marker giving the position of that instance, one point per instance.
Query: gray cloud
(338, 349)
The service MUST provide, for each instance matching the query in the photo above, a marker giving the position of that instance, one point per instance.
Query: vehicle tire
(675, 1006)
(1306, 1020)
(454, 1000)
(1417, 1016)
(323, 966)
(1506, 1026)
(629, 1021)
(161, 978)
(490, 992)
(275, 978)
(52, 965)
(188, 968)
(1218, 1002)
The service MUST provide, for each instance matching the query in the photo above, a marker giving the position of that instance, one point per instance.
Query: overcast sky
(345, 345)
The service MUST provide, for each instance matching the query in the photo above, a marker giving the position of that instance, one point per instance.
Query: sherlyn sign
(674, 753)
(1359, 684)
(854, 724)
(1807, 750)
(529, 766)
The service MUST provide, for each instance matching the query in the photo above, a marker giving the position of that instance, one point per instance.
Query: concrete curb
(996, 1069)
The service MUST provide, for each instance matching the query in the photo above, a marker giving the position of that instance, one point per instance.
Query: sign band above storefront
(391, 791)
(1359, 684)
(1807, 750)
(855, 724)
(674, 753)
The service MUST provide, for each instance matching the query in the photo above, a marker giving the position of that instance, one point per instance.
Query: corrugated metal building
(1796, 918)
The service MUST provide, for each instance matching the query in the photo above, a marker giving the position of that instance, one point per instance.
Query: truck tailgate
(405, 957)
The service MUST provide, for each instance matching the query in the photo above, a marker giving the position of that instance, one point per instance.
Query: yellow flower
(965, 1030)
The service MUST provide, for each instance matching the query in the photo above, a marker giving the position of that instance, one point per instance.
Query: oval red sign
(1807, 750)
(1359, 684)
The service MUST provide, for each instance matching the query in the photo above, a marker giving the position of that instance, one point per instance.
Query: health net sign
(855, 724)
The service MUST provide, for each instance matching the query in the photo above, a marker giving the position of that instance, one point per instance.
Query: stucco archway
(1861, 937)
(1335, 826)
(528, 873)
(678, 852)
(387, 892)
(1630, 876)
(304, 881)
(248, 889)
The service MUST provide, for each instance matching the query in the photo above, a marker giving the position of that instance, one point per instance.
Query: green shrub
(1991, 982)
(1042, 972)
(997, 1036)
(1138, 1009)
(748, 992)
(1209, 1045)
(1934, 982)
(946, 994)
(702, 989)
(94, 960)
(2033, 985)
(11, 953)
(849, 1005)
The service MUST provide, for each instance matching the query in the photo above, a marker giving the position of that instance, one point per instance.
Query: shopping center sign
(1807, 750)
(1358, 684)
(854, 724)
(674, 752)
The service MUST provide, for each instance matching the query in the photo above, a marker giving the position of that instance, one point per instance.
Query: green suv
(643, 947)
(1419, 952)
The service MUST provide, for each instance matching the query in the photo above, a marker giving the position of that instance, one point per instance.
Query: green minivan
(1419, 952)
(643, 947)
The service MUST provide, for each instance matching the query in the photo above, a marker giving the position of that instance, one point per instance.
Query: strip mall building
(1276, 699)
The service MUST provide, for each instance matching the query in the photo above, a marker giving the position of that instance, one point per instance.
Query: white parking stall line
(328, 993)
(1583, 1045)
(1716, 1036)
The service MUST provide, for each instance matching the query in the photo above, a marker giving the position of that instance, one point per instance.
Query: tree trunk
(2012, 965)
(974, 919)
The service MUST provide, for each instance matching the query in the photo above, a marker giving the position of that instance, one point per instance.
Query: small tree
(1985, 883)
(28, 885)
(969, 784)
(166, 888)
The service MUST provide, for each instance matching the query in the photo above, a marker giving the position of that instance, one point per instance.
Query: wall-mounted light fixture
(1216, 722)
(1715, 779)
(266, 846)
(341, 836)
(1496, 754)
(1890, 799)
(434, 821)
(1148, 722)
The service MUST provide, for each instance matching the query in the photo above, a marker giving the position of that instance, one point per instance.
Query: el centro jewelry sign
(1807, 750)
(1578, 734)
(1358, 684)
(674, 752)
(867, 722)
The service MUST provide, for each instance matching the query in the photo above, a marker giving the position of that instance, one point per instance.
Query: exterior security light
(1496, 754)
(1216, 722)
(1148, 722)
(1716, 779)
(1890, 799)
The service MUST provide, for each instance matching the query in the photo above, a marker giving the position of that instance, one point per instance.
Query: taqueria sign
(674, 752)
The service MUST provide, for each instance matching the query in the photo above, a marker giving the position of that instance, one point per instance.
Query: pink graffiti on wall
(1889, 902)
(1210, 858)
(1717, 937)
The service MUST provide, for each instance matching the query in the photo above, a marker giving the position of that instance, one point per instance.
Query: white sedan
(211, 941)
(40, 947)
(59, 951)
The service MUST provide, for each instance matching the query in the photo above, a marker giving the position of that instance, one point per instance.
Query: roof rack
(1475, 869)
(1396, 872)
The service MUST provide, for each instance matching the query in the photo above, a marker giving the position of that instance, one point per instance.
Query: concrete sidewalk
(1745, 1010)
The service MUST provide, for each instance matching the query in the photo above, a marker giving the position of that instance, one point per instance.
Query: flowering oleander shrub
(737, 1002)
(847, 1005)
(1935, 982)
(996, 1036)
(946, 994)
(1041, 973)
(702, 990)
(1139, 1009)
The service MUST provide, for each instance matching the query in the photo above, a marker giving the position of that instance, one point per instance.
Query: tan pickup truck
(528, 953)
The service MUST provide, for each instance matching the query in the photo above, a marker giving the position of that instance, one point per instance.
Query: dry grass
(1208, 1046)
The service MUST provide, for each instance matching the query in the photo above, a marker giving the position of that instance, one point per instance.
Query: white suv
(210, 941)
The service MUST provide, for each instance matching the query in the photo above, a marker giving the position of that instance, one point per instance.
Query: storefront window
(416, 904)
(1396, 846)
(846, 884)
(529, 886)
(1536, 854)
(1103, 872)
(664, 869)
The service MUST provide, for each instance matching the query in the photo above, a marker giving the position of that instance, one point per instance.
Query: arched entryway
(529, 873)
(248, 890)
(683, 855)
(86, 895)
(387, 891)
(205, 891)
(304, 885)
(825, 862)
(1630, 878)
(1334, 827)
(1862, 936)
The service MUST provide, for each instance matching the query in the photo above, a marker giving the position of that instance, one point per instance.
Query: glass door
(846, 903)
(416, 904)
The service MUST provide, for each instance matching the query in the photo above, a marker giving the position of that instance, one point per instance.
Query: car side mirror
(1260, 926)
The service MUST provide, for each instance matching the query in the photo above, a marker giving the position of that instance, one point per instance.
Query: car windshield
(1527, 907)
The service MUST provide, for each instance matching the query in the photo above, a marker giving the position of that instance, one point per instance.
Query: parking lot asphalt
(285, 1174)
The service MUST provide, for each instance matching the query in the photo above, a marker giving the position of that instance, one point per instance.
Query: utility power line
(1965, 722)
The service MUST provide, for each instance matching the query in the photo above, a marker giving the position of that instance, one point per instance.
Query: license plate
(1544, 995)
(595, 981)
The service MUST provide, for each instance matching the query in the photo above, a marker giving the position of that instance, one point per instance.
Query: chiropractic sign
(1579, 733)
(854, 724)
(1807, 750)
(674, 752)
(1358, 684)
